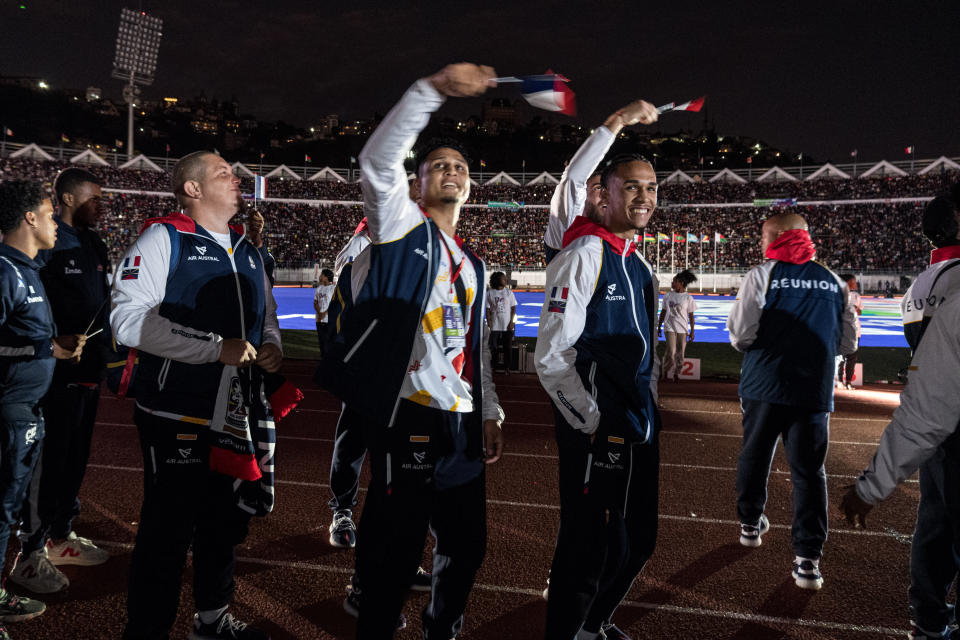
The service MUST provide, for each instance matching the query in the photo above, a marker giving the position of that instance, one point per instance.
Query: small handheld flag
(259, 187)
(548, 91)
(692, 105)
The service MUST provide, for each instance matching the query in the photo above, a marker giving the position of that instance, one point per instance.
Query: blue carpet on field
(881, 321)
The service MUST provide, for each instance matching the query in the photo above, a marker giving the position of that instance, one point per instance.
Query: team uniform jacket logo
(252, 264)
(185, 453)
(610, 293)
(202, 251)
(614, 457)
(33, 297)
(419, 456)
(130, 272)
(558, 299)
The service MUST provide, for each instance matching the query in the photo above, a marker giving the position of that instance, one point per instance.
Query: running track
(700, 583)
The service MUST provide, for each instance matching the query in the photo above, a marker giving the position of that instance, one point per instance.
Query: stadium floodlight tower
(138, 41)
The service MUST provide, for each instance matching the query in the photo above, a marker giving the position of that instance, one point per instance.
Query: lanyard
(453, 274)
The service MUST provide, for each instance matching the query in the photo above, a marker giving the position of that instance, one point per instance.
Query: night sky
(822, 78)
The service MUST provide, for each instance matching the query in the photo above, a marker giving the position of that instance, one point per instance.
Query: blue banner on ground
(881, 321)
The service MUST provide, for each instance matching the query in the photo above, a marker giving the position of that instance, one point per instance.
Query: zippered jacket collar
(944, 253)
(186, 224)
(583, 226)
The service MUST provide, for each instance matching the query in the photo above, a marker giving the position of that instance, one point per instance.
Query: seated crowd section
(850, 236)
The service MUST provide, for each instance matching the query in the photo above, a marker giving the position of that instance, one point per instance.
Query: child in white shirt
(677, 314)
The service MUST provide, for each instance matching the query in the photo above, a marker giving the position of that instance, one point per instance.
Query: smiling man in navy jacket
(411, 358)
(595, 357)
(791, 319)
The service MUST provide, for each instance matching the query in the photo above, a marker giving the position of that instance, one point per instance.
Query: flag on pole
(261, 155)
(259, 187)
(548, 91)
(908, 150)
(306, 158)
(678, 237)
(749, 159)
(853, 154)
(64, 138)
(648, 237)
(692, 105)
(168, 147)
(692, 237)
(483, 164)
(719, 237)
(704, 238)
(8, 132)
(662, 237)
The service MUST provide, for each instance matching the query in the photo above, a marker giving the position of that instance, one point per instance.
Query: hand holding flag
(692, 105)
(638, 111)
(463, 80)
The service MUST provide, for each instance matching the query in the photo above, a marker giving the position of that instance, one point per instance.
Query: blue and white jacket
(390, 283)
(26, 330)
(596, 341)
(176, 296)
(791, 320)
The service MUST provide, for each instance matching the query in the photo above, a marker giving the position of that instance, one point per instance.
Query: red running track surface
(700, 582)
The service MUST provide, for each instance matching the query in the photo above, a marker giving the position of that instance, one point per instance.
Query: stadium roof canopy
(32, 152)
(827, 171)
(142, 163)
(677, 177)
(327, 175)
(943, 163)
(726, 176)
(89, 157)
(503, 178)
(283, 171)
(241, 169)
(775, 174)
(543, 178)
(883, 168)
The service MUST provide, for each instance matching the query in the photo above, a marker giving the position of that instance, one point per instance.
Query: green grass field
(717, 361)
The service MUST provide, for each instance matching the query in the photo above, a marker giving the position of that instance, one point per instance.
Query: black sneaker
(17, 608)
(343, 532)
(226, 627)
(422, 581)
(352, 606)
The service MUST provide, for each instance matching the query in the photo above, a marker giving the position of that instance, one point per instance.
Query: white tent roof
(241, 169)
(88, 157)
(827, 171)
(32, 152)
(677, 177)
(943, 161)
(327, 174)
(776, 173)
(883, 168)
(502, 178)
(142, 163)
(283, 171)
(727, 176)
(544, 178)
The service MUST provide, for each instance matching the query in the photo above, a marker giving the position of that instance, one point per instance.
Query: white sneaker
(77, 550)
(806, 573)
(36, 573)
(750, 535)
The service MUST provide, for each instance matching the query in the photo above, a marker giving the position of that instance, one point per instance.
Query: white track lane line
(537, 593)
(889, 533)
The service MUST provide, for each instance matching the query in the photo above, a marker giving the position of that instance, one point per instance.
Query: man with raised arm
(410, 356)
(578, 193)
(596, 359)
(192, 295)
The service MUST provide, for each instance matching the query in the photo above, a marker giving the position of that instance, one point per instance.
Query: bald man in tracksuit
(790, 319)
(595, 358)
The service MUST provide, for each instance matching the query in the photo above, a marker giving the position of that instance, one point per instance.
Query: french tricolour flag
(558, 299)
(259, 187)
(549, 92)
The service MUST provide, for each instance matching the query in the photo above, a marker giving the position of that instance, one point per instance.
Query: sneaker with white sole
(17, 609)
(806, 573)
(76, 550)
(343, 532)
(226, 627)
(613, 632)
(918, 633)
(36, 573)
(750, 535)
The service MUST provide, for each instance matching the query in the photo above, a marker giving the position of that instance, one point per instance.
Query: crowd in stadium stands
(879, 236)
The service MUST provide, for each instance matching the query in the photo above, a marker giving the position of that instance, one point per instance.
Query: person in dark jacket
(790, 318)
(74, 275)
(27, 351)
